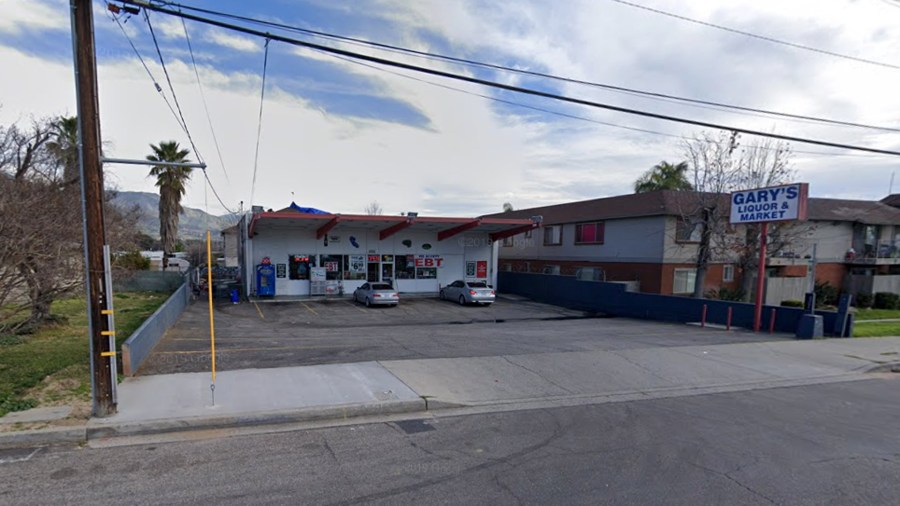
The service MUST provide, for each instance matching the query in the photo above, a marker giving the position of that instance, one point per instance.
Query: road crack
(539, 375)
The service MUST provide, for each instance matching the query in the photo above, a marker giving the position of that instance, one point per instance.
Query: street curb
(885, 367)
(44, 437)
(100, 430)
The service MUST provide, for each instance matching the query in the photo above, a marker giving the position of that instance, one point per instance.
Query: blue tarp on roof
(307, 210)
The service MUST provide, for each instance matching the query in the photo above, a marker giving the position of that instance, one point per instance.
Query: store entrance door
(372, 271)
(387, 273)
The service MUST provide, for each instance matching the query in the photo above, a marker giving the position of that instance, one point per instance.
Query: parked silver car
(376, 294)
(468, 292)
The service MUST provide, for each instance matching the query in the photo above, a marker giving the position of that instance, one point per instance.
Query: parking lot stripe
(258, 310)
(310, 309)
(354, 306)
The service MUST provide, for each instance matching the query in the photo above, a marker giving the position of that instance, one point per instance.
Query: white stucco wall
(832, 239)
(279, 243)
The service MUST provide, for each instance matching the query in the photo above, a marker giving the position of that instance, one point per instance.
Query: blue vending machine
(265, 278)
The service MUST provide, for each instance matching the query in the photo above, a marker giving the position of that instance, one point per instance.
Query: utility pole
(91, 172)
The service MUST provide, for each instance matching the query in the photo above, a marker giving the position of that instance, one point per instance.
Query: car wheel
(368, 302)
(441, 295)
(462, 300)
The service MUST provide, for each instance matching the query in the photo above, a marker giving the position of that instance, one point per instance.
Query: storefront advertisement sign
(429, 261)
(357, 263)
(482, 269)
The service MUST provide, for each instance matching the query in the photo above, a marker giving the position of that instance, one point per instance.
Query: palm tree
(171, 182)
(664, 176)
(64, 146)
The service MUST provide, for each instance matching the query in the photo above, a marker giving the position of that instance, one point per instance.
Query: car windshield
(478, 284)
(382, 286)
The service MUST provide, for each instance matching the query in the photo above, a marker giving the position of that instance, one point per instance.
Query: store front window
(405, 266)
(333, 266)
(355, 267)
(298, 266)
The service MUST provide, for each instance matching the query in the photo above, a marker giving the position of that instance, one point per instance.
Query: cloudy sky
(338, 135)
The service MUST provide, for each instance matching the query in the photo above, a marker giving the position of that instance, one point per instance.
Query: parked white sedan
(468, 292)
(372, 294)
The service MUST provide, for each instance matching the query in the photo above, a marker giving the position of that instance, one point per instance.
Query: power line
(203, 98)
(213, 188)
(464, 61)
(171, 88)
(149, 73)
(262, 97)
(564, 114)
(163, 95)
(759, 37)
(518, 89)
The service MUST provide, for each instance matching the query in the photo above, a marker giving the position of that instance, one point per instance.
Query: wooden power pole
(91, 171)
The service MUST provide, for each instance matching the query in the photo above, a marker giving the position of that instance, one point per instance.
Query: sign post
(764, 205)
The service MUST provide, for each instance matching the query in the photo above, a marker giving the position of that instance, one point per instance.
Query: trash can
(235, 296)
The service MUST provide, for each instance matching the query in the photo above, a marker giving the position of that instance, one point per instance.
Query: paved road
(288, 334)
(825, 444)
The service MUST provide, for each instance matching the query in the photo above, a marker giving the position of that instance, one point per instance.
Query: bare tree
(720, 165)
(373, 209)
(41, 251)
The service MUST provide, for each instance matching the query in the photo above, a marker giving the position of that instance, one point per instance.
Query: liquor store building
(306, 252)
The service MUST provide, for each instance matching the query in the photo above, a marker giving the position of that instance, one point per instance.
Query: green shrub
(132, 261)
(887, 300)
(726, 293)
(864, 300)
(792, 303)
(826, 295)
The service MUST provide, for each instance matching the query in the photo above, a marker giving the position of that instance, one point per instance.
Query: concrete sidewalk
(178, 402)
(557, 379)
(172, 402)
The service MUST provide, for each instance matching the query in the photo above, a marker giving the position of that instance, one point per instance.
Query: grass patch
(61, 349)
(877, 314)
(876, 329)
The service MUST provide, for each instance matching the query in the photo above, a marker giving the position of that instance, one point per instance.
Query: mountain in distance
(191, 225)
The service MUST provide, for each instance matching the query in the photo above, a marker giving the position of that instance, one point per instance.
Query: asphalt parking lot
(293, 333)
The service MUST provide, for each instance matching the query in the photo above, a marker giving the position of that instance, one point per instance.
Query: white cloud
(232, 41)
(476, 154)
(170, 27)
(20, 16)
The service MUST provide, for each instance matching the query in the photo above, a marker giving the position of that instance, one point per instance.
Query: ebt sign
(775, 203)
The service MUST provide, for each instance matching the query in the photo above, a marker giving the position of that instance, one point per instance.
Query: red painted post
(728, 320)
(703, 317)
(772, 322)
(761, 276)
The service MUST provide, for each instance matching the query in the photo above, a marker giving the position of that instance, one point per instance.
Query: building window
(553, 235)
(508, 241)
(687, 230)
(298, 267)
(589, 274)
(684, 280)
(728, 272)
(589, 233)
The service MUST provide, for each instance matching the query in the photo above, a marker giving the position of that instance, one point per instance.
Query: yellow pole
(212, 325)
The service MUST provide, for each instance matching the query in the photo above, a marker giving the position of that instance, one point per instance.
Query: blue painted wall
(612, 299)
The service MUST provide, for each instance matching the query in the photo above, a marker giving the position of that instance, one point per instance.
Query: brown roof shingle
(678, 203)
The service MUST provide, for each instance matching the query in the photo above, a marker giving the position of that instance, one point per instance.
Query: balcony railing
(882, 252)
